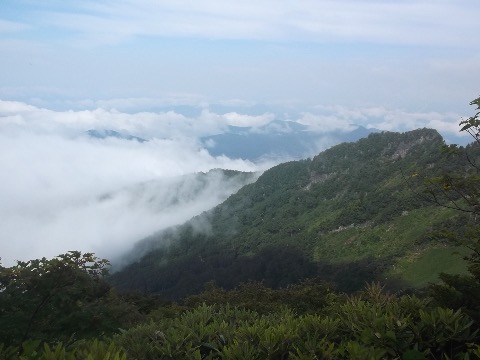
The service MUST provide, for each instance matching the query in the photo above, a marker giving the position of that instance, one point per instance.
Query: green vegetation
(371, 325)
(306, 321)
(277, 274)
(346, 216)
(460, 191)
(419, 269)
(392, 238)
(63, 299)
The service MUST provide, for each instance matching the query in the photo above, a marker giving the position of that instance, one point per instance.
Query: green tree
(460, 190)
(58, 299)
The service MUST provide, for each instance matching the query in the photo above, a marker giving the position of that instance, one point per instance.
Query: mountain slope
(162, 203)
(347, 215)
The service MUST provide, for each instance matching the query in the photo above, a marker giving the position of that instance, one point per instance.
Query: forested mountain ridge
(388, 208)
(347, 184)
(348, 215)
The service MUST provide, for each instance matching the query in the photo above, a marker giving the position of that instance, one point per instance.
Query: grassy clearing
(394, 238)
(420, 260)
(418, 269)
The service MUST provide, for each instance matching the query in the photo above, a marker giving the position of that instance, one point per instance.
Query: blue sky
(415, 55)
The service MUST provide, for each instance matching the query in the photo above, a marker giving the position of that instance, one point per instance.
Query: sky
(416, 55)
(174, 71)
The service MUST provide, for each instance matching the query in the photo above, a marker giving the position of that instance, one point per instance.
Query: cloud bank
(54, 179)
(62, 190)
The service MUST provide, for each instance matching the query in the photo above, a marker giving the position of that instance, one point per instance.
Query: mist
(62, 190)
(101, 196)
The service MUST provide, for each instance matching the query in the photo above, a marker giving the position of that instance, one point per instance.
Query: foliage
(423, 267)
(460, 190)
(85, 350)
(276, 266)
(309, 296)
(58, 300)
(304, 321)
(345, 215)
(369, 325)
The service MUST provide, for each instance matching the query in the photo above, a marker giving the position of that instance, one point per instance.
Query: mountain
(351, 214)
(162, 203)
(105, 133)
(278, 139)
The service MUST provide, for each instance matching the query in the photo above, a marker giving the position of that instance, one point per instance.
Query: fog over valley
(110, 111)
(64, 189)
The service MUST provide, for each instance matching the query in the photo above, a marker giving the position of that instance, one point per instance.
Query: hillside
(347, 216)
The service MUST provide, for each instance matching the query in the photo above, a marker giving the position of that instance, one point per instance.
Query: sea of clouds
(62, 190)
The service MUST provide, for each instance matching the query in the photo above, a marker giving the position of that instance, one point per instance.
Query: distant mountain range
(348, 216)
(105, 133)
(277, 140)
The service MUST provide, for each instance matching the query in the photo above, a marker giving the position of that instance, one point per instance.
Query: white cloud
(401, 22)
(341, 117)
(404, 121)
(105, 224)
(353, 52)
(325, 123)
(53, 176)
(234, 119)
(242, 120)
(18, 117)
(145, 124)
(9, 107)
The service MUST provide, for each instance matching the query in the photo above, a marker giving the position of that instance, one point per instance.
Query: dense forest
(312, 261)
(344, 216)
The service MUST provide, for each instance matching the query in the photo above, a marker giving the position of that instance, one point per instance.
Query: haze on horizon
(174, 71)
